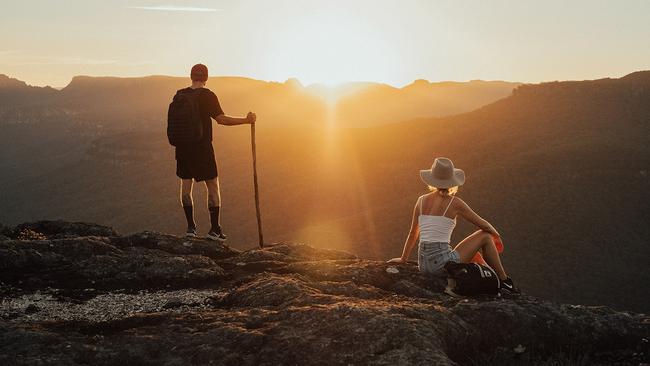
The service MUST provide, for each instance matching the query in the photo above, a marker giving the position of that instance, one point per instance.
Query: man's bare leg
(214, 195)
(214, 206)
(188, 207)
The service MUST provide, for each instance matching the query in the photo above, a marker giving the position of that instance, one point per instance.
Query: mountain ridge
(283, 104)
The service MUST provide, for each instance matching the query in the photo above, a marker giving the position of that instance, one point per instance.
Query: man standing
(196, 160)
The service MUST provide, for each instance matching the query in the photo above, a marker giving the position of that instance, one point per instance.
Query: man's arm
(222, 119)
(215, 111)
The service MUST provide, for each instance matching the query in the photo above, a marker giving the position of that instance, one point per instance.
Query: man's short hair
(199, 72)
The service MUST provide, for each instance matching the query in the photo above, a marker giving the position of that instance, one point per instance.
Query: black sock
(189, 216)
(214, 219)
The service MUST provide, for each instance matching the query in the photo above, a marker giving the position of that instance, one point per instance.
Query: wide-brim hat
(443, 174)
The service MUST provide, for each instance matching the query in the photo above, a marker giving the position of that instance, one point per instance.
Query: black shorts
(196, 162)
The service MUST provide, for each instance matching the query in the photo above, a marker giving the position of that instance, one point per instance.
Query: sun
(329, 48)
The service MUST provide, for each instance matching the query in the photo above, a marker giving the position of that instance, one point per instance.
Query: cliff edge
(76, 293)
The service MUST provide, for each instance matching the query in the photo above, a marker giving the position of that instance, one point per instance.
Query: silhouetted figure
(194, 154)
(434, 219)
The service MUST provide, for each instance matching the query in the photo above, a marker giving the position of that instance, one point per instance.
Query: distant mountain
(14, 92)
(419, 99)
(560, 168)
(142, 102)
(120, 99)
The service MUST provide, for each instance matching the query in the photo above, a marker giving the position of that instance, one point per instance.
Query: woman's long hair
(445, 191)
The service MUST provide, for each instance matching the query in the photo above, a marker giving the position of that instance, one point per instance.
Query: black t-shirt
(210, 108)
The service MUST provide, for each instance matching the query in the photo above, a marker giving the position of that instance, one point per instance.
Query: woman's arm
(411, 239)
(468, 214)
(222, 119)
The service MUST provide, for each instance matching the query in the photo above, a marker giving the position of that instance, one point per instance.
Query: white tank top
(436, 228)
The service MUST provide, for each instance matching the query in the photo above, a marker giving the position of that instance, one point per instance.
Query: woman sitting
(434, 219)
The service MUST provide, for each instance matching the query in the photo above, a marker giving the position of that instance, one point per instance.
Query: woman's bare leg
(481, 241)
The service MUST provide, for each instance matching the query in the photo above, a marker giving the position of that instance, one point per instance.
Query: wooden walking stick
(257, 194)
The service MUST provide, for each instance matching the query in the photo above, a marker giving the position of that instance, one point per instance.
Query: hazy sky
(330, 41)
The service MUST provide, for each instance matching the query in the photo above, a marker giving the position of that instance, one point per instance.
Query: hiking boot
(191, 232)
(508, 285)
(216, 236)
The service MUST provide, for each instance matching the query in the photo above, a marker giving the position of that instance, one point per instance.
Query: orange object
(478, 258)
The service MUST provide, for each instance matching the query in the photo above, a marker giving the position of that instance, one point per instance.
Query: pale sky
(46, 42)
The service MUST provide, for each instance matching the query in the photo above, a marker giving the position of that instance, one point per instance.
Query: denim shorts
(432, 256)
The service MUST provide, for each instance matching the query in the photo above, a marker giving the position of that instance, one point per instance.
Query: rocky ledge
(75, 293)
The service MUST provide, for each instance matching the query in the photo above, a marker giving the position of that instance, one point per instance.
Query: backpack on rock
(467, 279)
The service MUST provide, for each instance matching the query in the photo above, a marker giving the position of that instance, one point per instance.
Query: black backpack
(184, 124)
(469, 279)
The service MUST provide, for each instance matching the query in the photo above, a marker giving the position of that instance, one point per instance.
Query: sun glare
(329, 48)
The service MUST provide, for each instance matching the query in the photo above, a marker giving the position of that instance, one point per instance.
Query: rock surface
(77, 293)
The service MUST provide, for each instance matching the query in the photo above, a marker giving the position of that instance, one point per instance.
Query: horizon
(326, 43)
(328, 85)
(304, 85)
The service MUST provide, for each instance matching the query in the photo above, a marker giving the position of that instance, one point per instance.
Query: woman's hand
(396, 260)
(494, 232)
